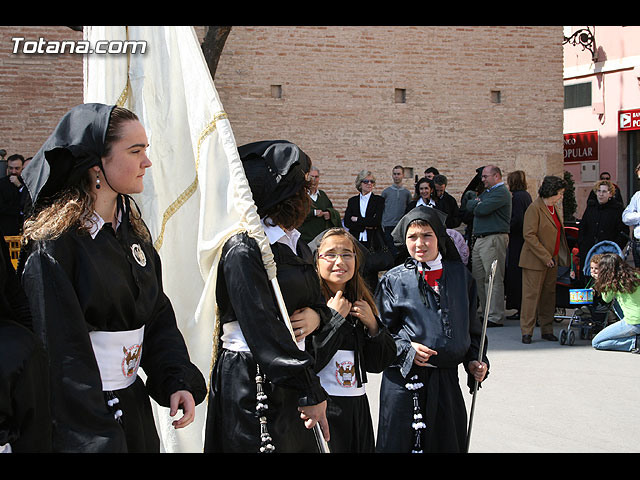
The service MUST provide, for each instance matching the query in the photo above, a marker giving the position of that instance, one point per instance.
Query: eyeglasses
(368, 181)
(332, 257)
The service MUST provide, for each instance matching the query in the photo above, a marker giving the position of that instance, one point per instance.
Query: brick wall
(338, 97)
(36, 90)
(338, 90)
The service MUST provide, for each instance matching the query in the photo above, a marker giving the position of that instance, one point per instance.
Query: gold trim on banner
(124, 96)
(190, 190)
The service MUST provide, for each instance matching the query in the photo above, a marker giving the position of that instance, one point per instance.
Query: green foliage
(569, 204)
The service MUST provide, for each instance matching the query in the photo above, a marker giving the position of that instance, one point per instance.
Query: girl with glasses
(353, 343)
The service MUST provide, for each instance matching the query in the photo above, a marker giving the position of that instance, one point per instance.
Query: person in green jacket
(321, 215)
(616, 279)
(491, 225)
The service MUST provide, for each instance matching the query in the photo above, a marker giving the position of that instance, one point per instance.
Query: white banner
(195, 195)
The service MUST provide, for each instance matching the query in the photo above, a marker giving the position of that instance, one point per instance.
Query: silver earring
(98, 181)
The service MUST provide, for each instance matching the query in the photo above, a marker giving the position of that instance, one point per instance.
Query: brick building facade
(472, 96)
(353, 97)
(36, 89)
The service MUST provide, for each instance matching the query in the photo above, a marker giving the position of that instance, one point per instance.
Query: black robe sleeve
(376, 352)
(245, 294)
(165, 358)
(391, 317)
(81, 420)
(25, 421)
(13, 301)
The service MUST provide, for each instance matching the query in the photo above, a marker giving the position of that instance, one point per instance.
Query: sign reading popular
(581, 147)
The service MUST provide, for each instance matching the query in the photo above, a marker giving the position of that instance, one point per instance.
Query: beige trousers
(485, 251)
(538, 299)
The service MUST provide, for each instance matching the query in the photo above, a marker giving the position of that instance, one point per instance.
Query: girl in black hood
(429, 306)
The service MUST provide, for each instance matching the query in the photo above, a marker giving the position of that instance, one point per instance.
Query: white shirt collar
(96, 223)
(435, 264)
(421, 202)
(278, 234)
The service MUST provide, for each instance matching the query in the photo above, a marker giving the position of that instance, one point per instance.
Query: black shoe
(493, 324)
(526, 339)
(550, 336)
(515, 316)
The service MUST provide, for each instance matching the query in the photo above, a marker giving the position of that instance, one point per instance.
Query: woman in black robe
(602, 219)
(25, 422)
(429, 306)
(94, 284)
(353, 343)
(520, 201)
(256, 354)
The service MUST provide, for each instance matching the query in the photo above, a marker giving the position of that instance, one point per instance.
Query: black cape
(446, 322)
(244, 294)
(78, 284)
(25, 422)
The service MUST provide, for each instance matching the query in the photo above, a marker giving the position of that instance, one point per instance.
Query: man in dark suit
(13, 195)
(446, 203)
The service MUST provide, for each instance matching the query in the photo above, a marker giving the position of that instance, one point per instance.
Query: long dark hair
(616, 275)
(517, 181)
(291, 212)
(73, 208)
(432, 187)
(355, 288)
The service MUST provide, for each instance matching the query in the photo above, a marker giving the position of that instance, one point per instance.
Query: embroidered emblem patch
(131, 360)
(345, 374)
(138, 254)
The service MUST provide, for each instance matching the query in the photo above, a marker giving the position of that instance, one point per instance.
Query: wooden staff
(492, 274)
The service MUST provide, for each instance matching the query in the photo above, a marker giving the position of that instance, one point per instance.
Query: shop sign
(581, 147)
(628, 120)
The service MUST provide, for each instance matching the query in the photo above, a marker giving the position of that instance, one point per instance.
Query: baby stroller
(591, 313)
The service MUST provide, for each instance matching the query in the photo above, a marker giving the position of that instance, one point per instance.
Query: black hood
(435, 218)
(76, 144)
(275, 170)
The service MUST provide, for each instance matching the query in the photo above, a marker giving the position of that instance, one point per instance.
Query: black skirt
(441, 405)
(233, 424)
(350, 425)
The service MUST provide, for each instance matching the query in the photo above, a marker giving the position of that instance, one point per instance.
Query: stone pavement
(551, 398)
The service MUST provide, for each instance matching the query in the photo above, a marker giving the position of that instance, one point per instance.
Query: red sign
(628, 120)
(581, 147)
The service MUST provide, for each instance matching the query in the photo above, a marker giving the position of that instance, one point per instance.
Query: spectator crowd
(400, 283)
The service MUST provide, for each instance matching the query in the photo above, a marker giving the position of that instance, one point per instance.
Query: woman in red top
(545, 247)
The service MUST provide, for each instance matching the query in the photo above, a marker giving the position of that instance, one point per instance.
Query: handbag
(380, 257)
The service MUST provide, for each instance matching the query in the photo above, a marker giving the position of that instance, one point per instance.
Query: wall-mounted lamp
(586, 38)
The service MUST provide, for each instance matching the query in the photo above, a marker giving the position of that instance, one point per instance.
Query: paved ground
(551, 398)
